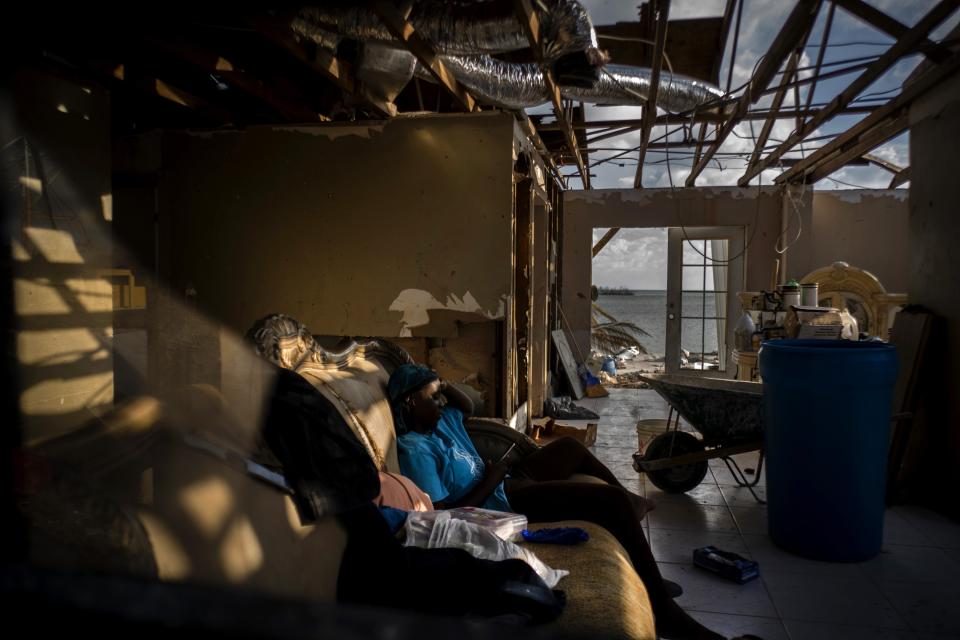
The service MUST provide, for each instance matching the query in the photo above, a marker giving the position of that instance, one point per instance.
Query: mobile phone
(504, 456)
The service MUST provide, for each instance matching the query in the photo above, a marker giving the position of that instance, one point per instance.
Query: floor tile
(751, 519)
(723, 475)
(851, 599)
(732, 625)
(773, 558)
(704, 591)
(930, 607)
(703, 494)
(911, 564)
(899, 530)
(938, 529)
(691, 516)
(742, 497)
(801, 630)
(671, 545)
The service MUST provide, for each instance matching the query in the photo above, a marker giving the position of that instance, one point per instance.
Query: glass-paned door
(705, 270)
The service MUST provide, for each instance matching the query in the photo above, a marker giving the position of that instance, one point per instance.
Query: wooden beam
(160, 88)
(602, 242)
(893, 28)
(778, 99)
(322, 62)
(531, 25)
(900, 178)
(868, 140)
(788, 75)
(724, 36)
(796, 25)
(889, 111)
(883, 164)
(698, 118)
(824, 41)
(903, 46)
(531, 131)
(214, 64)
(662, 10)
(395, 20)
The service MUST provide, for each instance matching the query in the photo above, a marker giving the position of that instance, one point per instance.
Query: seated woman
(332, 475)
(437, 454)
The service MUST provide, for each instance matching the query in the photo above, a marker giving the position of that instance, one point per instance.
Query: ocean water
(648, 310)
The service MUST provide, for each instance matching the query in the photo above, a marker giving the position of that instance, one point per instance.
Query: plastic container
(609, 365)
(827, 407)
(810, 294)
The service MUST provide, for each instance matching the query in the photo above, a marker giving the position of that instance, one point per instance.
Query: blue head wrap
(406, 379)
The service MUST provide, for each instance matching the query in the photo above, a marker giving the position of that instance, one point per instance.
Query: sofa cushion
(358, 391)
(605, 596)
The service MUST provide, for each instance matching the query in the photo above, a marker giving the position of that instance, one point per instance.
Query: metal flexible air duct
(461, 27)
(517, 86)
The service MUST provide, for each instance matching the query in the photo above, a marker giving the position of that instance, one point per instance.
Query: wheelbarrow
(728, 415)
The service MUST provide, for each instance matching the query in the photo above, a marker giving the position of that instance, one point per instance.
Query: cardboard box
(545, 430)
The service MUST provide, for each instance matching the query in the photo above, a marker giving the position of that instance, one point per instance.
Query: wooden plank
(870, 139)
(522, 294)
(568, 361)
(662, 9)
(778, 99)
(531, 132)
(894, 28)
(796, 25)
(724, 36)
(911, 335)
(921, 85)
(883, 164)
(531, 25)
(398, 25)
(900, 178)
(602, 242)
(880, 66)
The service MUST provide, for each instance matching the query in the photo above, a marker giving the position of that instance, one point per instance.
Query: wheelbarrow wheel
(681, 478)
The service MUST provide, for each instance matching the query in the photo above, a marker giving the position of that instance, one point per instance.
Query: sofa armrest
(492, 438)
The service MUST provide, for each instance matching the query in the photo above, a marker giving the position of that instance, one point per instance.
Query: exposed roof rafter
(661, 9)
(395, 19)
(531, 24)
(904, 45)
(321, 62)
(893, 28)
(861, 136)
(797, 24)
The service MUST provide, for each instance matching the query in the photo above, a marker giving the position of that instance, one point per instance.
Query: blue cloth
(405, 380)
(558, 535)
(395, 518)
(444, 463)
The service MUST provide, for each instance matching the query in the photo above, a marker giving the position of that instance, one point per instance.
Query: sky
(636, 258)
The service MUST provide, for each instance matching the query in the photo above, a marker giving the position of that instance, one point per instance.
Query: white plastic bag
(436, 530)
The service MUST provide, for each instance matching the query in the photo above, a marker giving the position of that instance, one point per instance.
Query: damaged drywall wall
(394, 229)
(416, 305)
(868, 229)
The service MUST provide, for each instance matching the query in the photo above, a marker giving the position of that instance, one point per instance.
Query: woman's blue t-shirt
(444, 463)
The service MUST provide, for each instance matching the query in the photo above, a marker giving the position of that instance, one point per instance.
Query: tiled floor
(910, 591)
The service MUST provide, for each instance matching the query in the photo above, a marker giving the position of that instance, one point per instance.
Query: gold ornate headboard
(861, 293)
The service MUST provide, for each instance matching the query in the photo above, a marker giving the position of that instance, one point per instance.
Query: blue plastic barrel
(609, 365)
(827, 406)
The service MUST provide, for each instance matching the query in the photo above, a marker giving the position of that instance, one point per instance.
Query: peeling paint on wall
(333, 132)
(856, 196)
(416, 304)
(647, 196)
